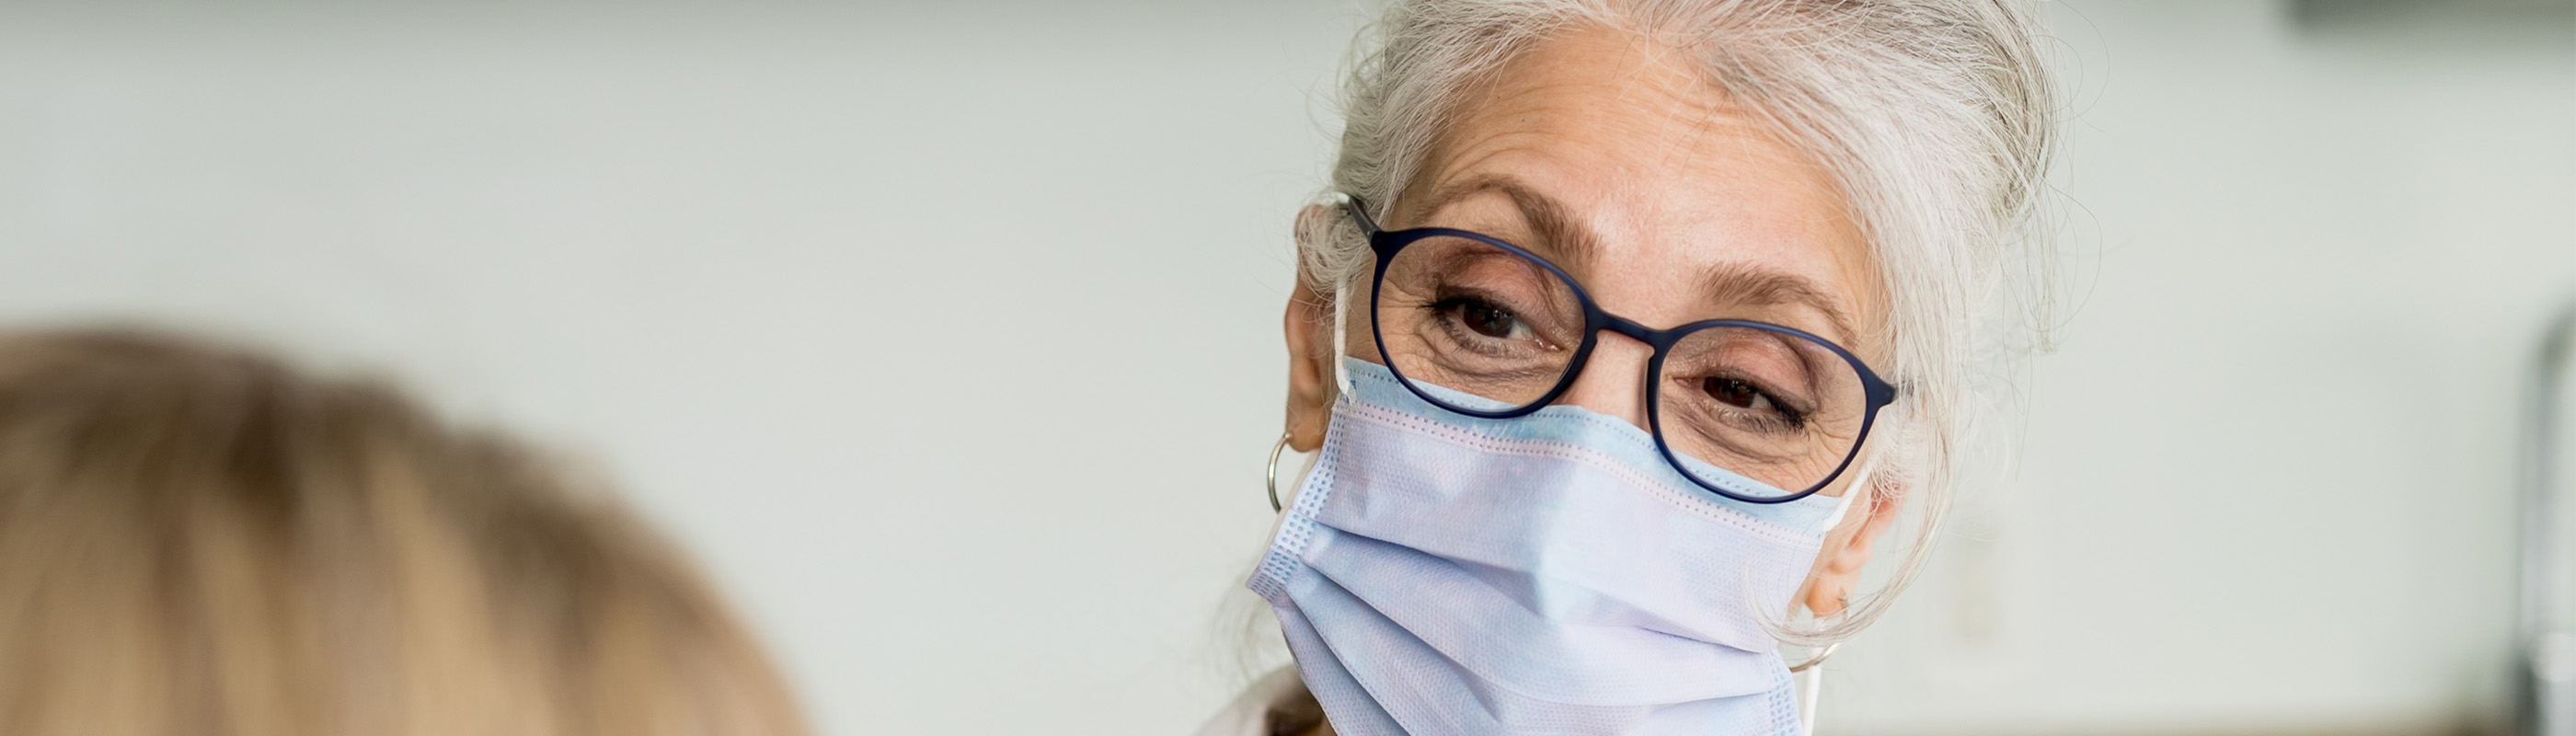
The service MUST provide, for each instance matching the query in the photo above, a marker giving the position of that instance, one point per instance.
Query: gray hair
(1935, 117)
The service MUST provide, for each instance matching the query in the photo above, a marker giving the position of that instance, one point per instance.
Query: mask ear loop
(1809, 682)
(1844, 506)
(1810, 678)
(1342, 319)
(1341, 336)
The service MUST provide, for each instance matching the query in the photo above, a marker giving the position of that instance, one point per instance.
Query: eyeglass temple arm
(1359, 213)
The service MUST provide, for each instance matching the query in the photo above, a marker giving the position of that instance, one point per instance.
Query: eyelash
(1440, 310)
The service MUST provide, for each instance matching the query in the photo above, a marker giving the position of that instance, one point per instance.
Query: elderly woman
(1628, 330)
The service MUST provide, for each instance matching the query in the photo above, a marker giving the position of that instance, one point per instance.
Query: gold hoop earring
(1271, 476)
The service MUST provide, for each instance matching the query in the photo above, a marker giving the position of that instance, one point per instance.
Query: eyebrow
(1574, 247)
(1566, 240)
(1736, 283)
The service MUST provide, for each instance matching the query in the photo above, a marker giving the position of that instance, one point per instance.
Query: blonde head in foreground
(199, 540)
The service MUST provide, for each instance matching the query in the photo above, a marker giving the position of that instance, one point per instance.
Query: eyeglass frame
(1387, 243)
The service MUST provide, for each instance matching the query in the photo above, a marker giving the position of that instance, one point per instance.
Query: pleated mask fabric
(1440, 574)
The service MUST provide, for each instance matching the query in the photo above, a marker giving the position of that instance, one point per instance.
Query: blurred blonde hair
(199, 540)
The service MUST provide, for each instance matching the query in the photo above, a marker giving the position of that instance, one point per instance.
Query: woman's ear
(1311, 352)
(1847, 547)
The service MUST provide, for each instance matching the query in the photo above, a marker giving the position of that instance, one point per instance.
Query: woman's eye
(1737, 393)
(1488, 320)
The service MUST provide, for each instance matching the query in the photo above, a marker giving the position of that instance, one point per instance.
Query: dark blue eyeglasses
(1752, 411)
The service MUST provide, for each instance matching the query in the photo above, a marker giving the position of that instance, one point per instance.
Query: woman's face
(1617, 160)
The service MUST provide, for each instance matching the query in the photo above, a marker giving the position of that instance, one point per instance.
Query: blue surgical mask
(1440, 574)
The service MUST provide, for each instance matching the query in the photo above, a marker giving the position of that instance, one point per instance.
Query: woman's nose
(1613, 380)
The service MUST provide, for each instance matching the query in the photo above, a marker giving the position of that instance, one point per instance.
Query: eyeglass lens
(1771, 406)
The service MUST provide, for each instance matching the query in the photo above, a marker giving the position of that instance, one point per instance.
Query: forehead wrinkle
(1664, 87)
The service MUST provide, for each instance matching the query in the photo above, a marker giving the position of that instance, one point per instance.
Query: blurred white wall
(2267, 483)
(947, 334)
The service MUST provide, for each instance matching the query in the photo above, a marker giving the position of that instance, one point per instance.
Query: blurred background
(948, 333)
